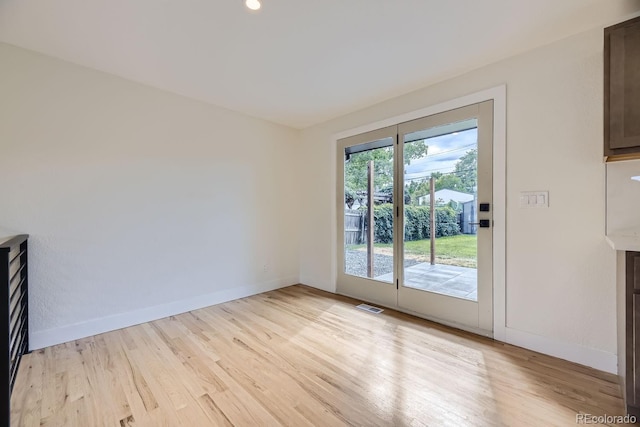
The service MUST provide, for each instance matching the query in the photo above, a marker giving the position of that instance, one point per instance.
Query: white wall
(139, 203)
(561, 289)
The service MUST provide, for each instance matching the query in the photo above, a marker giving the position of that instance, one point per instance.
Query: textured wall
(136, 198)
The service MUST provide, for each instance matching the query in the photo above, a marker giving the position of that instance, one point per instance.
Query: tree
(414, 150)
(415, 189)
(467, 170)
(464, 178)
(450, 181)
(355, 168)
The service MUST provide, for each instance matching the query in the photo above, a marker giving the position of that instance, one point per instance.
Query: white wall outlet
(534, 199)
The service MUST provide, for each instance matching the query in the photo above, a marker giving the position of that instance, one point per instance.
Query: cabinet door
(622, 88)
(634, 397)
(633, 333)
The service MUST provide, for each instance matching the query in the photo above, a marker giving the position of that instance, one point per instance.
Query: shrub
(383, 217)
(417, 222)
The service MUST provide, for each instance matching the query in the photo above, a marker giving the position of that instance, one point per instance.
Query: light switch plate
(534, 199)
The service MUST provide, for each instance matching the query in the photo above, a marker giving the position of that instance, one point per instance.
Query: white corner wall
(560, 272)
(140, 203)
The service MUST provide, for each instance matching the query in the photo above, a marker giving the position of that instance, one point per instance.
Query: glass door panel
(440, 182)
(367, 215)
(446, 249)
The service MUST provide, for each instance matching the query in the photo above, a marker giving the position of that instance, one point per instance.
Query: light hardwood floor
(301, 357)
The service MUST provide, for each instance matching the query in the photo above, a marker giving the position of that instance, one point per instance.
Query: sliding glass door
(429, 250)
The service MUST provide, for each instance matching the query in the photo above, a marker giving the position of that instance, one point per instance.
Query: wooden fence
(354, 229)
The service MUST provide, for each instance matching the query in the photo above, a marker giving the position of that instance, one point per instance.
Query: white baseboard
(53, 336)
(323, 285)
(587, 356)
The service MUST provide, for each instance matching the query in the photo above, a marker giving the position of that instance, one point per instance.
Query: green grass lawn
(453, 250)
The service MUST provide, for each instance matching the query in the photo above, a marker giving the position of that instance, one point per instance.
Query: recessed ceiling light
(636, 178)
(253, 4)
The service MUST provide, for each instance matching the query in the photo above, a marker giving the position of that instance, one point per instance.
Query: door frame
(499, 96)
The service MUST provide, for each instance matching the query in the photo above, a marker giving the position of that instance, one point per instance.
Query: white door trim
(499, 96)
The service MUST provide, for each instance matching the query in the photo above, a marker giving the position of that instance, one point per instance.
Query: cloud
(443, 154)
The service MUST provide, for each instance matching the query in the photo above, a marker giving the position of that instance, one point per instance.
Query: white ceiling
(295, 62)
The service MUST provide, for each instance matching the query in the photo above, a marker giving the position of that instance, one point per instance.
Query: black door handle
(484, 223)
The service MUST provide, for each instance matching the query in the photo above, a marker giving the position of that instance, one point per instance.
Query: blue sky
(444, 151)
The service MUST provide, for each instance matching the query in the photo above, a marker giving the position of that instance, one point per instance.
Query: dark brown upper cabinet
(622, 88)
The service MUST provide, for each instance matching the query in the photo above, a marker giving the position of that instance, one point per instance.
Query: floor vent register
(369, 308)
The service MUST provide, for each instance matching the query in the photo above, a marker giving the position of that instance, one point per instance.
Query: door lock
(484, 223)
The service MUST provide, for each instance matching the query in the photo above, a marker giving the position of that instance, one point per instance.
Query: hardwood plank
(26, 408)
(299, 356)
(214, 413)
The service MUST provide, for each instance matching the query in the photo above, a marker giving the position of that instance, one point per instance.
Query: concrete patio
(451, 280)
